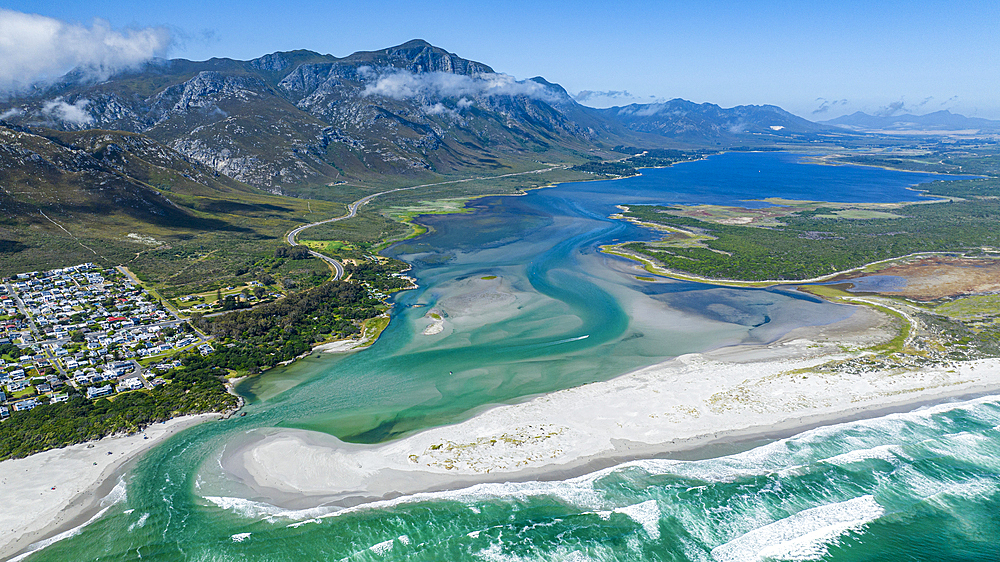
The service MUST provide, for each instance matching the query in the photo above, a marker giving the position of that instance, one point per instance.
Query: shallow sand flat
(473, 302)
(32, 510)
(935, 277)
(730, 395)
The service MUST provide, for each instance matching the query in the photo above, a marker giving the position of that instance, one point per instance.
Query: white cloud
(439, 109)
(402, 84)
(612, 98)
(648, 110)
(893, 108)
(36, 48)
(602, 96)
(75, 113)
(12, 112)
(826, 105)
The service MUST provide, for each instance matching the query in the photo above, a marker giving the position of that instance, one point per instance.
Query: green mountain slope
(113, 198)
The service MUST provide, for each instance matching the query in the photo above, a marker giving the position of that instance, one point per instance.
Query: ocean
(530, 306)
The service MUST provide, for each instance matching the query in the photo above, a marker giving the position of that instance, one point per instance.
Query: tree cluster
(252, 340)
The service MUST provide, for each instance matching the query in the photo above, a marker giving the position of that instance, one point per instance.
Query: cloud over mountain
(402, 84)
(36, 48)
(825, 105)
(75, 113)
(587, 95)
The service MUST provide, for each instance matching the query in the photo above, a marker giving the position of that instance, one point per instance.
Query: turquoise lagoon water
(919, 486)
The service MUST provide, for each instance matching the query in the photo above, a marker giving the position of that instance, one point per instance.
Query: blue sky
(804, 56)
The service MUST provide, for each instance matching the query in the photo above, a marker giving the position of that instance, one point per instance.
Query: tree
(76, 336)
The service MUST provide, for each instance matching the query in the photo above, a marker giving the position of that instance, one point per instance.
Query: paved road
(352, 210)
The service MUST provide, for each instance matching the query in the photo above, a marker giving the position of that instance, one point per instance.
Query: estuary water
(515, 300)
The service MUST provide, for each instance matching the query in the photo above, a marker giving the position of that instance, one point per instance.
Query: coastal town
(84, 329)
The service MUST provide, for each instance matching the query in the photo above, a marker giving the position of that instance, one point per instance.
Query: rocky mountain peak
(419, 56)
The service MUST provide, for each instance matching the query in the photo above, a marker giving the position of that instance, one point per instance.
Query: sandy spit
(682, 408)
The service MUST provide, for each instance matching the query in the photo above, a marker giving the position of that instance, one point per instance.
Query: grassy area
(858, 214)
(373, 328)
(979, 160)
(975, 307)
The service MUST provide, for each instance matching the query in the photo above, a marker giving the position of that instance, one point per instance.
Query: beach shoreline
(694, 406)
(55, 491)
(671, 410)
(301, 506)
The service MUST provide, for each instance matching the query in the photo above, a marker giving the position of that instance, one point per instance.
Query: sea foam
(888, 453)
(805, 535)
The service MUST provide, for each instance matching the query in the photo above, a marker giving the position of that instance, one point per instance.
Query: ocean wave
(382, 548)
(577, 491)
(140, 523)
(646, 514)
(495, 553)
(889, 453)
(260, 510)
(940, 490)
(805, 535)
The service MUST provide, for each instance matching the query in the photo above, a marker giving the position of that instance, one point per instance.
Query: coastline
(82, 474)
(694, 406)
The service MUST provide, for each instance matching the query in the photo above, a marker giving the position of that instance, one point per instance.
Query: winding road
(352, 210)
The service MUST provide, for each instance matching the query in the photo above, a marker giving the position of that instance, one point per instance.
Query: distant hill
(704, 123)
(937, 121)
(103, 173)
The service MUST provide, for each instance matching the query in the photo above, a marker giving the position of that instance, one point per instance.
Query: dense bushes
(380, 275)
(191, 391)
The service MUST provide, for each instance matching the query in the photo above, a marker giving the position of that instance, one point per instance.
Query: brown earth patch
(938, 277)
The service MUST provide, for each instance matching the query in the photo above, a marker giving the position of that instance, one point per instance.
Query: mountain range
(293, 122)
(936, 121)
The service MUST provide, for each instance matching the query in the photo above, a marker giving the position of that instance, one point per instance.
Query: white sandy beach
(56, 490)
(696, 400)
(339, 346)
